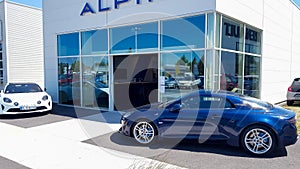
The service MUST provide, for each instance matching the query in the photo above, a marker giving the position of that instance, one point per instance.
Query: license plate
(27, 107)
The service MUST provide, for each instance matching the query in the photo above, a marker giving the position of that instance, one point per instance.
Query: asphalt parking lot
(194, 155)
(187, 154)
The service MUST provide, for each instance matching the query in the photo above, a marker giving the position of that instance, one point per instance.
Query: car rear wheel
(258, 140)
(289, 103)
(144, 132)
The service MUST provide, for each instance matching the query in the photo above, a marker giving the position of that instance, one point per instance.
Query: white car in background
(19, 98)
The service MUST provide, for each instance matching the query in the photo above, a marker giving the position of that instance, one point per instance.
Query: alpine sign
(101, 7)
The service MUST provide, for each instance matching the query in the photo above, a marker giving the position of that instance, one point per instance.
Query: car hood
(25, 97)
(145, 109)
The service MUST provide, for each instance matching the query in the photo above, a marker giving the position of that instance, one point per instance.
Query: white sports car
(18, 98)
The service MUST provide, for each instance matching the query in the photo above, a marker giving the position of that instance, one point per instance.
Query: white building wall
(25, 61)
(64, 16)
(3, 41)
(295, 68)
(279, 21)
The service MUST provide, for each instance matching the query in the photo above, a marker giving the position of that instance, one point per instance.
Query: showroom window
(94, 42)
(68, 44)
(231, 78)
(95, 89)
(253, 40)
(252, 76)
(183, 33)
(83, 77)
(134, 38)
(181, 72)
(69, 81)
(232, 35)
(240, 68)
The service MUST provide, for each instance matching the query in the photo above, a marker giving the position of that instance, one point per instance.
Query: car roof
(221, 93)
(21, 83)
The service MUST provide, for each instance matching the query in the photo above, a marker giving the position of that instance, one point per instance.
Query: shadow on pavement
(112, 117)
(120, 142)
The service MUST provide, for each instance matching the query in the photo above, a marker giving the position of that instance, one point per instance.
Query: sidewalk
(59, 144)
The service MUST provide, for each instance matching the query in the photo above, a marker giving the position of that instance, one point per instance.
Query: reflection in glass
(69, 81)
(68, 44)
(231, 72)
(232, 35)
(94, 42)
(252, 76)
(183, 33)
(209, 70)
(128, 39)
(253, 40)
(210, 30)
(218, 30)
(95, 91)
(181, 73)
(217, 70)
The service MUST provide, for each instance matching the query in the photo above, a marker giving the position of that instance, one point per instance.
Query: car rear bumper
(293, 96)
(289, 136)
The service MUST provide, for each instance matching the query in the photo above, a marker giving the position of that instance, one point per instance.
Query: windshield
(22, 88)
(256, 103)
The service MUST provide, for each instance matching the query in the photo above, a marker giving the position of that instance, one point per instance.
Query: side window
(214, 102)
(191, 102)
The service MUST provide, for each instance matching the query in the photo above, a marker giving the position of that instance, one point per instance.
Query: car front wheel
(258, 140)
(144, 132)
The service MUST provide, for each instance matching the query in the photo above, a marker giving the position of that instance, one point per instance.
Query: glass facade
(181, 72)
(183, 33)
(134, 38)
(205, 51)
(83, 69)
(94, 42)
(68, 44)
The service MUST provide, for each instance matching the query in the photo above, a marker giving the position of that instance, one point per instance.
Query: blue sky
(34, 3)
(38, 3)
(297, 2)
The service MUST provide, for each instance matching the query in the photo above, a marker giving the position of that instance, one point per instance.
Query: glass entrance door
(135, 80)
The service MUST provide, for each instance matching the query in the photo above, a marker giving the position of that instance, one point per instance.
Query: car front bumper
(125, 127)
(11, 109)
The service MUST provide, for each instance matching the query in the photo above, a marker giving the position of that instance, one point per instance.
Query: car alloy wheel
(258, 140)
(144, 132)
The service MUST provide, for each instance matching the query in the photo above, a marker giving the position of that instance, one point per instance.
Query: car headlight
(7, 100)
(45, 98)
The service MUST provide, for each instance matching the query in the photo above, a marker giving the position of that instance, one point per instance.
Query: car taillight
(290, 89)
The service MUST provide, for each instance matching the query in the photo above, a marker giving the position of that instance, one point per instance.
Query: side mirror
(45, 89)
(175, 108)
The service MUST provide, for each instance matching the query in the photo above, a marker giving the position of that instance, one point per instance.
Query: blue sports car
(257, 126)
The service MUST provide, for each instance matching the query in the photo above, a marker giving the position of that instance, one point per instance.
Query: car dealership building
(121, 54)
